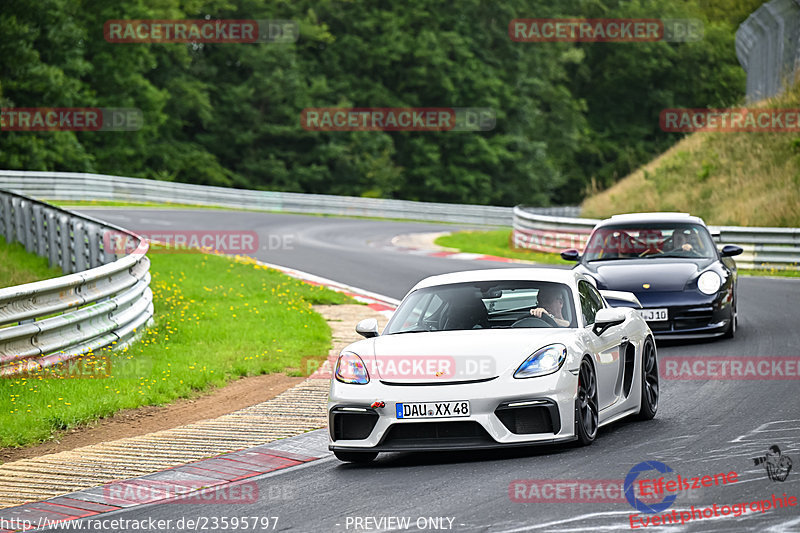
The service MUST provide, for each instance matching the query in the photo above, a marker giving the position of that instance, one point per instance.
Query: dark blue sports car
(686, 286)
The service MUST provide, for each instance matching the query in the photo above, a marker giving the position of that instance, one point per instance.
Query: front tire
(649, 387)
(355, 457)
(586, 412)
(731, 331)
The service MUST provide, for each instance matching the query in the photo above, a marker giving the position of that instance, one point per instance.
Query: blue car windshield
(690, 241)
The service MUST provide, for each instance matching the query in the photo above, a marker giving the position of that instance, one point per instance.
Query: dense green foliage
(568, 114)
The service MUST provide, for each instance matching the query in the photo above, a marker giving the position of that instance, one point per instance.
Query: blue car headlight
(542, 362)
(350, 368)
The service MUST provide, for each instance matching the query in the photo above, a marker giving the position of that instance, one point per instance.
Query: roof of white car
(634, 218)
(501, 274)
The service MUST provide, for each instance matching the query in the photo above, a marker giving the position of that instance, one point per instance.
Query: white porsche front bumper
(503, 412)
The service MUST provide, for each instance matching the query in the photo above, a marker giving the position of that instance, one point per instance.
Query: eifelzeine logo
(70, 119)
(398, 119)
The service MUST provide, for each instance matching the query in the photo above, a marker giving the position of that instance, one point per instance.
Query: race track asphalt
(702, 427)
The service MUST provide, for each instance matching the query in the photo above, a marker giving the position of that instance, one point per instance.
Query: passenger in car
(550, 302)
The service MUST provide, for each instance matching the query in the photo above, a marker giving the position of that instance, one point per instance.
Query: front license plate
(433, 409)
(654, 315)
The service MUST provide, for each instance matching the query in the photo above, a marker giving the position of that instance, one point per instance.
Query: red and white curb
(378, 302)
(423, 244)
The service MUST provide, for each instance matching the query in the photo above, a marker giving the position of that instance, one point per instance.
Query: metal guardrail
(768, 48)
(764, 248)
(102, 300)
(68, 186)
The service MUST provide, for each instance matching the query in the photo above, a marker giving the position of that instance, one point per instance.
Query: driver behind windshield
(683, 241)
(550, 302)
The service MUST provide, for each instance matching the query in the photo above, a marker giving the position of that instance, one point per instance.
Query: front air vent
(529, 417)
(352, 425)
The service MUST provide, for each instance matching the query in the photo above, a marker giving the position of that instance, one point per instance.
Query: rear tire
(649, 386)
(356, 457)
(586, 412)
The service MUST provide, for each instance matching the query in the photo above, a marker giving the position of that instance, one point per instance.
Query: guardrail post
(19, 228)
(79, 245)
(52, 238)
(28, 228)
(39, 230)
(65, 247)
(5, 217)
(94, 238)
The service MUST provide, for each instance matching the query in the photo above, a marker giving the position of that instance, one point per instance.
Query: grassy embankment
(735, 179)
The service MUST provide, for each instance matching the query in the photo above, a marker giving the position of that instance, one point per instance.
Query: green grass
(217, 319)
(497, 243)
(17, 266)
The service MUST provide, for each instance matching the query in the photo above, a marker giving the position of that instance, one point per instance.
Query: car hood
(453, 356)
(632, 275)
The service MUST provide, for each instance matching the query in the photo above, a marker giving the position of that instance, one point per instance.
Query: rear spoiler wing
(622, 296)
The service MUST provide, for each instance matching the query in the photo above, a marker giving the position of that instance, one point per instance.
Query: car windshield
(482, 305)
(689, 241)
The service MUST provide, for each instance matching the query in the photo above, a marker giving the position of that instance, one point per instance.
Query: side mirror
(367, 328)
(729, 250)
(570, 255)
(606, 318)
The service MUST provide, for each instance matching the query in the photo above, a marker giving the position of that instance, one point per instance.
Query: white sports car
(493, 358)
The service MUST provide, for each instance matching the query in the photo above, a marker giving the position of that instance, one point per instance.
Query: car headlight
(350, 368)
(543, 361)
(709, 282)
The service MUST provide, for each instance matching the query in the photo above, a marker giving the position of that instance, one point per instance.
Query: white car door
(605, 348)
